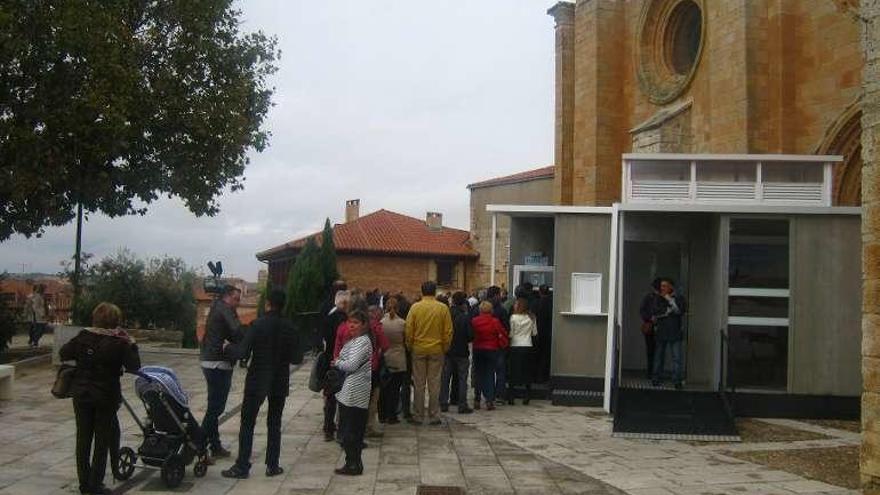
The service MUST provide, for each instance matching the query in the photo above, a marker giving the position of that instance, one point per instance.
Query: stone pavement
(535, 449)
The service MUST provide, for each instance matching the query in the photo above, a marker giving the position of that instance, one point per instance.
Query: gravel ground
(836, 466)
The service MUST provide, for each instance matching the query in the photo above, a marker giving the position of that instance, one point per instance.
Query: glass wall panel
(764, 307)
(727, 172)
(791, 172)
(661, 170)
(757, 357)
(758, 253)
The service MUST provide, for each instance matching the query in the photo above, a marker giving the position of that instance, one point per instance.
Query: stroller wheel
(126, 461)
(200, 468)
(173, 470)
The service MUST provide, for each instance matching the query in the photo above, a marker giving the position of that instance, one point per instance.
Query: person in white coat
(522, 330)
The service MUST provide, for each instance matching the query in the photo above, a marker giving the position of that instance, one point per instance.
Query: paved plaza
(536, 449)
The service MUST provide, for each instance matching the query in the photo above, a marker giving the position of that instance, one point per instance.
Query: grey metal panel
(707, 290)
(583, 244)
(825, 324)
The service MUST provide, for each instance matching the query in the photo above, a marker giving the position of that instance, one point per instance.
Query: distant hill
(32, 275)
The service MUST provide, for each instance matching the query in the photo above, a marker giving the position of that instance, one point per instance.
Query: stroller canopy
(164, 377)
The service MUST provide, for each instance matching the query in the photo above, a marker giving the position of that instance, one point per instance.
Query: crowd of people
(393, 360)
(424, 354)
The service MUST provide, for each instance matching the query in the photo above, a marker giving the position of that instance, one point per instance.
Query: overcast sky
(400, 103)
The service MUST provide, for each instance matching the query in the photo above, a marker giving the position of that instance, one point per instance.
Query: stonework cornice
(562, 12)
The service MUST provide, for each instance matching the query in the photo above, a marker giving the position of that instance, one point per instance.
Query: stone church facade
(699, 76)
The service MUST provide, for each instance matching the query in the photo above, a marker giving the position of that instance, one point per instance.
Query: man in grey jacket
(223, 325)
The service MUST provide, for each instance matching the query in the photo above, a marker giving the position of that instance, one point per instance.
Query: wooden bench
(7, 378)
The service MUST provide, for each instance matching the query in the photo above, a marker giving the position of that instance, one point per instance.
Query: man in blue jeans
(223, 325)
(667, 313)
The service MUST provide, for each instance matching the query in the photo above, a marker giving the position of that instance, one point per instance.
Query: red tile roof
(538, 173)
(387, 232)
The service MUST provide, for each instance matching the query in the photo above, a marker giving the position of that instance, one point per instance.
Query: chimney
(434, 220)
(352, 210)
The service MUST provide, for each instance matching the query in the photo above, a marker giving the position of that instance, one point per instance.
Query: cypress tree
(328, 256)
(305, 282)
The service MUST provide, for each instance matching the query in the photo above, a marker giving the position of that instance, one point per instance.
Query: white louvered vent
(660, 189)
(792, 192)
(725, 191)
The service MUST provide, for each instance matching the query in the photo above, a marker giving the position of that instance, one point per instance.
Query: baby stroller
(172, 436)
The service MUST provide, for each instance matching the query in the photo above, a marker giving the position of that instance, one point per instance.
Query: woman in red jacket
(489, 339)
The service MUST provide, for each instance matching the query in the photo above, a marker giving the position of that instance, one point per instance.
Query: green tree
(157, 293)
(305, 282)
(106, 105)
(168, 299)
(8, 321)
(328, 256)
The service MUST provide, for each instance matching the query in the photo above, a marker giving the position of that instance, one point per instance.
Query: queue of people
(396, 359)
(422, 357)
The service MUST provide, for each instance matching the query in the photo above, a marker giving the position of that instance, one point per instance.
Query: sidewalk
(539, 449)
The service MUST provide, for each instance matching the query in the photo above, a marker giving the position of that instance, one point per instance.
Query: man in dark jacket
(646, 313)
(668, 311)
(222, 326)
(457, 362)
(544, 316)
(273, 344)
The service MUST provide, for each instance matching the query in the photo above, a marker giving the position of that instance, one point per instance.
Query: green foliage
(114, 103)
(157, 293)
(261, 301)
(305, 283)
(328, 256)
(7, 321)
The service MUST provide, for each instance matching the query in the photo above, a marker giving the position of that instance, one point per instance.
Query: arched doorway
(844, 138)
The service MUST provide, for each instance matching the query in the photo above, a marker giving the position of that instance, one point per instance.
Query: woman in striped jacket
(354, 398)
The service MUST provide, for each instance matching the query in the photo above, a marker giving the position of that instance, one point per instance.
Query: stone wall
(533, 192)
(870, 459)
(773, 76)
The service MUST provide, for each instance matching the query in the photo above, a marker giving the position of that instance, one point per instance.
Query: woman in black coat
(100, 352)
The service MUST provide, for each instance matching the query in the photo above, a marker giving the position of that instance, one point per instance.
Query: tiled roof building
(389, 251)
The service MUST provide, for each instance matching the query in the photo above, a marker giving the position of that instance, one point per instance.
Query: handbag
(319, 370)
(384, 372)
(63, 381)
(333, 380)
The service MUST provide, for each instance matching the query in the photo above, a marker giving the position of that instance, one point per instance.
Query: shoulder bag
(63, 381)
(319, 370)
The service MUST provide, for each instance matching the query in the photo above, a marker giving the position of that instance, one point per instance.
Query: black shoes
(351, 469)
(220, 453)
(274, 470)
(678, 386)
(96, 490)
(510, 401)
(476, 404)
(465, 410)
(235, 472)
(329, 436)
(444, 408)
(435, 422)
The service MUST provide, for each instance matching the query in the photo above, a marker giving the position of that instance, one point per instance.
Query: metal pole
(77, 255)
(494, 241)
